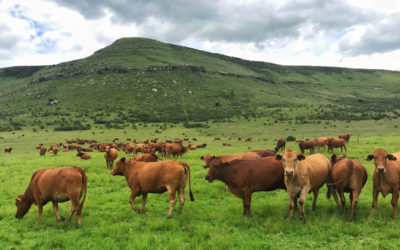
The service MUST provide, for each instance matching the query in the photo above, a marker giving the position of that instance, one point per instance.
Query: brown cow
(223, 159)
(216, 138)
(39, 146)
(155, 177)
(280, 145)
(264, 153)
(321, 142)
(202, 145)
(304, 175)
(8, 150)
(244, 177)
(386, 177)
(249, 139)
(174, 149)
(348, 176)
(110, 155)
(148, 157)
(226, 144)
(55, 185)
(83, 156)
(345, 137)
(303, 145)
(336, 143)
(42, 151)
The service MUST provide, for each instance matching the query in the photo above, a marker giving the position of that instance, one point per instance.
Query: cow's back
(318, 169)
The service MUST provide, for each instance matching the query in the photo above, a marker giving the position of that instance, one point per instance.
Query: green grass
(213, 220)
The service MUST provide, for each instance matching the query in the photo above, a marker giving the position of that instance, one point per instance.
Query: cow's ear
(301, 157)
(278, 157)
(391, 157)
(333, 158)
(123, 159)
(18, 200)
(202, 157)
(369, 157)
(213, 157)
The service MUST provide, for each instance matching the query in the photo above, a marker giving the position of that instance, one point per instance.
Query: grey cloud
(8, 40)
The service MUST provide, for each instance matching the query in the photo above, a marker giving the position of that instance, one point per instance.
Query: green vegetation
(213, 220)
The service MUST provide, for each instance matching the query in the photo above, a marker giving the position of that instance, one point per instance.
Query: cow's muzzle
(381, 170)
(208, 178)
(289, 172)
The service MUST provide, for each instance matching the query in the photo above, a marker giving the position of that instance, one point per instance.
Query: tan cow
(147, 157)
(110, 155)
(155, 177)
(386, 177)
(223, 159)
(321, 142)
(345, 137)
(55, 185)
(303, 175)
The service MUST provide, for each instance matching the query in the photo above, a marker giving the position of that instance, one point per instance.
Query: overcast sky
(344, 33)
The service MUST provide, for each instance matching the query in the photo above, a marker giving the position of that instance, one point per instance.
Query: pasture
(214, 220)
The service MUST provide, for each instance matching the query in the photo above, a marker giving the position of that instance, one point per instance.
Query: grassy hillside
(142, 80)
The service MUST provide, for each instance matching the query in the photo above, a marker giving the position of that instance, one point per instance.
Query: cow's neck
(28, 195)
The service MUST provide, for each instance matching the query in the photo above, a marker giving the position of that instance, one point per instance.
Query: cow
(42, 151)
(249, 139)
(280, 145)
(194, 139)
(229, 138)
(8, 150)
(148, 157)
(303, 175)
(202, 145)
(321, 142)
(216, 138)
(83, 156)
(55, 185)
(348, 176)
(345, 137)
(226, 144)
(110, 155)
(264, 153)
(39, 146)
(244, 177)
(303, 145)
(74, 146)
(223, 159)
(155, 177)
(336, 143)
(386, 177)
(174, 149)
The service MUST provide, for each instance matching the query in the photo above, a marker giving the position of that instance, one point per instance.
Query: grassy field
(213, 220)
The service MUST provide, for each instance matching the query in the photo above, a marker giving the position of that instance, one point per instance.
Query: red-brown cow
(148, 157)
(223, 159)
(386, 177)
(348, 176)
(345, 137)
(110, 155)
(249, 139)
(264, 152)
(280, 145)
(244, 177)
(336, 143)
(42, 151)
(303, 145)
(226, 144)
(155, 177)
(55, 185)
(8, 150)
(83, 156)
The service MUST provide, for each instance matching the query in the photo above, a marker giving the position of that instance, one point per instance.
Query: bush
(291, 138)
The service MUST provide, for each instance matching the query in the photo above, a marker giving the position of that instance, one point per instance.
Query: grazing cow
(55, 185)
(194, 139)
(226, 144)
(229, 138)
(192, 147)
(345, 137)
(280, 145)
(174, 149)
(83, 156)
(110, 155)
(239, 138)
(39, 146)
(74, 146)
(303, 145)
(321, 142)
(42, 151)
(303, 175)
(155, 177)
(202, 145)
(249, 139)
(244, 177)
(216, 138)
(148, 157)
(336, 143)
(8, 150)
(348, 176)
(386, 177)
(223, 159)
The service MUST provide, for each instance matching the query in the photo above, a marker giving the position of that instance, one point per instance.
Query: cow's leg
(315, 193)
(353, 203)
(75, 208)
(132, 197)
(182, 198)
(292, 201)
(395, 198)
(374, 201)
(144, 199)
(332, 191)
(55, 209)
(40, 209)
(172, 200)
(302, 199)
(247, 203)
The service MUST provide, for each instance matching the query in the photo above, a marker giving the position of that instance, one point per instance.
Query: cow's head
(119, 167)
(215, 170)
(335, 159)
(381, 157)
(207, 160)
(23, 206)
(289, 161)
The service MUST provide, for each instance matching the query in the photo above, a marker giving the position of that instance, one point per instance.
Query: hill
(143, 80)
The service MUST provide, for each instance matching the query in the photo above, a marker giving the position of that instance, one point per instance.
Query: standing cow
(155, 177)
(55, 185)
(110, 155)
(280, 145)
(386, 177)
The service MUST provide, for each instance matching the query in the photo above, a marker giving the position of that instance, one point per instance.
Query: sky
(339, 33)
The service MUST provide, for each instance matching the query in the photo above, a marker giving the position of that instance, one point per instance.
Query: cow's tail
(186, 167)
(345, 178)
(84, 186)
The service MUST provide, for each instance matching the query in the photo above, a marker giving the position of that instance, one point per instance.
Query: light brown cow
(42, 151)
(321, 142)
(174, 149)
(148, 157)
(348, 176)
(249, 139)
(83, 156)
(303, 175)
(223, 159)
(386, 177)
(216, 138)
(336, 143)
(39, 146)
(345, 137)
(55, 185)
(110, 155)
(155, 177)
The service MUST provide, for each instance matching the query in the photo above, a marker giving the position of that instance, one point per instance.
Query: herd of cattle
(243, 174)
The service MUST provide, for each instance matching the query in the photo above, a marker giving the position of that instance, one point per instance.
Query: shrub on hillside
(290, 138)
